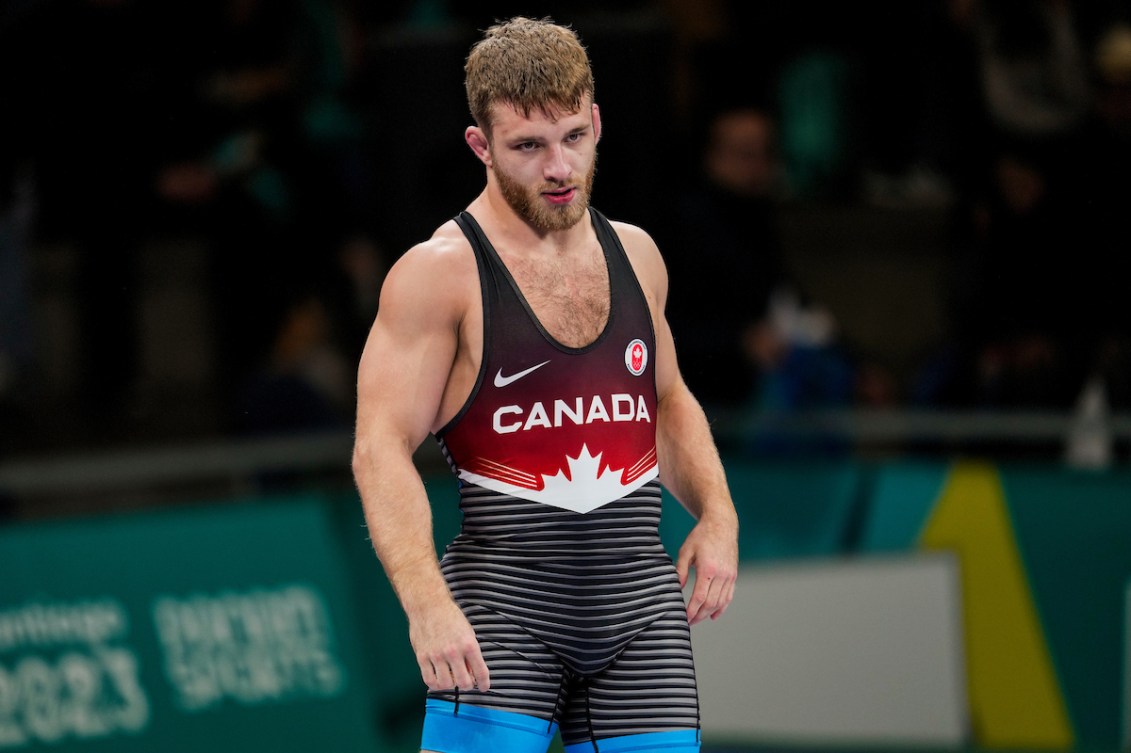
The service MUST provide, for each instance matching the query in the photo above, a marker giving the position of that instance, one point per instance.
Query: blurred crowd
(1011, 118)
(254, 136)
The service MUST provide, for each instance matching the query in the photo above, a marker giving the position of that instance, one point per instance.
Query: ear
(477, 140)
(596, 122)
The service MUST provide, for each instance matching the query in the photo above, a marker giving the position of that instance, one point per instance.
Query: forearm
(691, 470)
(690, 467)
(399, 519)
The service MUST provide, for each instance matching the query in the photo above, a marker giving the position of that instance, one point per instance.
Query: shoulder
(637, 241)
(437, 272)
(642, 251)
(442, 260)
(447, 249)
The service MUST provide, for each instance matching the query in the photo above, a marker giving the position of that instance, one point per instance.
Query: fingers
(436, 675)
(481, 677)
(728, 597)
(711, 596)
(447, 650)
(695, 605)
(456, 670)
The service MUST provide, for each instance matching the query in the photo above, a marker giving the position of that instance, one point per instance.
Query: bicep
(407, 358)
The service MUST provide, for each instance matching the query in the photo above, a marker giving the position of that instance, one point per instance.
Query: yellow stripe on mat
(1015, 699)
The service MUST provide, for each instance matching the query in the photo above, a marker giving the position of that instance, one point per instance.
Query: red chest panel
(569, 427)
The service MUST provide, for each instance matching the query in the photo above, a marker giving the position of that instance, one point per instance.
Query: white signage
(853, 651)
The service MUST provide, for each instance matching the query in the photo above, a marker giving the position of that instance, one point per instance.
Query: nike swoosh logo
(503, 381)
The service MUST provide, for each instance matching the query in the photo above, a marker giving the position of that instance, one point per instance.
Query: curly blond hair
(530, 64)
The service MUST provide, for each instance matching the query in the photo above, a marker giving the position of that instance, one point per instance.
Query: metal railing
(240, 466)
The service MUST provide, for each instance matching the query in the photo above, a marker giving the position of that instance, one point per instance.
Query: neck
(507, 228)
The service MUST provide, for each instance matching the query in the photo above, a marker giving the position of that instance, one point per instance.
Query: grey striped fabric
(580, 616)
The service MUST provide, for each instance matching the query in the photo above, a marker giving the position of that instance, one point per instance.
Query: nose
(556, 168)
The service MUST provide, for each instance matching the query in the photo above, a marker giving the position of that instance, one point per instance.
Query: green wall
(259, 624)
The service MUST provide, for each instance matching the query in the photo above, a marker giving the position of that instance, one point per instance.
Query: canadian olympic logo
(636, 357)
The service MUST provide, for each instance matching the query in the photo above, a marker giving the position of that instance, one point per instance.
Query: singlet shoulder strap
(604, 228)
(492, 273)
(472, 232)
(602, 220)
(610, 241)
(488, 284)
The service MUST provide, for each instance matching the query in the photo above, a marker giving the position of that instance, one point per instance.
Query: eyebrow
(525, 139)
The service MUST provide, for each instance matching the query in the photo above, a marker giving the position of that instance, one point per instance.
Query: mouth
(560, 195)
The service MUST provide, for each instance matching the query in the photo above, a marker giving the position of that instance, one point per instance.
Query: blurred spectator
(17, 198)
(229, 122)
(336, 177)
(91, 147)
(1030, 258)
(923, 107)
(1105, 194)
(1023, 310)
(748, 335)
(1034, 68)
(353, 290)
(269, 160)
(724, 255)
(802, 56)
(16, 349)
(1038, 301)
(227, 168)
(305, 381)
(243, 124)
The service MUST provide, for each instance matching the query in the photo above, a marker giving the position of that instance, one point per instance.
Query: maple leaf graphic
(582, 485)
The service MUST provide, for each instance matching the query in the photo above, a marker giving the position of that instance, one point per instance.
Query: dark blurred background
(872, 206)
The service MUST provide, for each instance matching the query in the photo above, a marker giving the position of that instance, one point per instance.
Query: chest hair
(569, 296)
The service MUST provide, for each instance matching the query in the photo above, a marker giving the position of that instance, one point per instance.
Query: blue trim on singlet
(676, 741)
(479, 730)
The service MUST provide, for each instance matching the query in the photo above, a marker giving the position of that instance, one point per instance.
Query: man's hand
(447, 650)
(713, 551)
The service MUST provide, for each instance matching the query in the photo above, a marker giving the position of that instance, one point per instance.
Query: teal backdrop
(266, 624)
(224, 628)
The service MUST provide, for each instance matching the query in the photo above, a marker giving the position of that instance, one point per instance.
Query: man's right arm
(402, 377)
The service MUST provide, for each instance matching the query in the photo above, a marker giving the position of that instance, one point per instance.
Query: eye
(526, 146)
(573, 138)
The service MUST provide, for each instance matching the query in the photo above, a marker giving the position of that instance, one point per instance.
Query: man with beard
(528, 336)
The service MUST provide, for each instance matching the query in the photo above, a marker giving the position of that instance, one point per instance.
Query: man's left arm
(690, 467)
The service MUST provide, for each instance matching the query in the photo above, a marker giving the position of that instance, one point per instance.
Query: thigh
(520, 711)
(650, 690)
